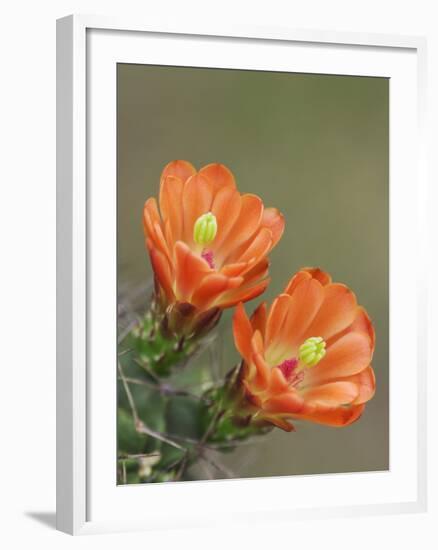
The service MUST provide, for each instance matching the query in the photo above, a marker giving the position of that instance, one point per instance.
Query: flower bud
(205, 229)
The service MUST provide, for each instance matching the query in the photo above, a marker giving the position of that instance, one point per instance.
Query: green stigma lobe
(312, 351)
(205, 229)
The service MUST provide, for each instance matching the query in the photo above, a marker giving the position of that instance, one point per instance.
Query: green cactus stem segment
(205, 229)
(312, 351)
(165, 338)
(157, 350)
(230, 417)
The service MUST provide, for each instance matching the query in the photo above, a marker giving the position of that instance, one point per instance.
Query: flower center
(310, 354)
(288, 366)
(208, 256)
(290, 371)
(205, 229)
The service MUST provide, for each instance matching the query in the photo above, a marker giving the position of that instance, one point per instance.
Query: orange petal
(150, 217)
(263, 372)
(171, 191)
(337, 312)
(278, 382)
(280, 422)
(277, 315)
(259, 247)
(257, 343)
(336, 417)
(304, 305)
(243, 294)
(178, 168)
(160, 241)
(290, 402)
(332, 394)
(232, 270)
(295, 281)
(219, 175)
(196, 200)
(162, 271)
(257, 271)
(153, 227)
(317, 273)
(211, 287)
(349, 355)
(366, 383)
(244, 228)
(243, 332)
(306, 272)
(254, 284)
(273, 219)
(363, 323)
(168, 234)
(258, 319)
(226, 207)
(190, 269)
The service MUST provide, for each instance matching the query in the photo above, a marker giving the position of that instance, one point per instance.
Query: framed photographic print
(240, 297)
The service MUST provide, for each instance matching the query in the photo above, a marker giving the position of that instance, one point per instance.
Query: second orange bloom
(309, 356)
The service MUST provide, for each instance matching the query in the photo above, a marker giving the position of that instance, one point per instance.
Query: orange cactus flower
(208, 244)
(309, 356)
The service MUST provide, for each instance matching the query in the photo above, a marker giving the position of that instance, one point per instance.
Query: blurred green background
(315, 146)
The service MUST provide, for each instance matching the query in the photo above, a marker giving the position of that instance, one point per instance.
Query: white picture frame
(87, 49)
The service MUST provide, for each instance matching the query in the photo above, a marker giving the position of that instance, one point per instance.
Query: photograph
(252, 274)
(221, 225)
